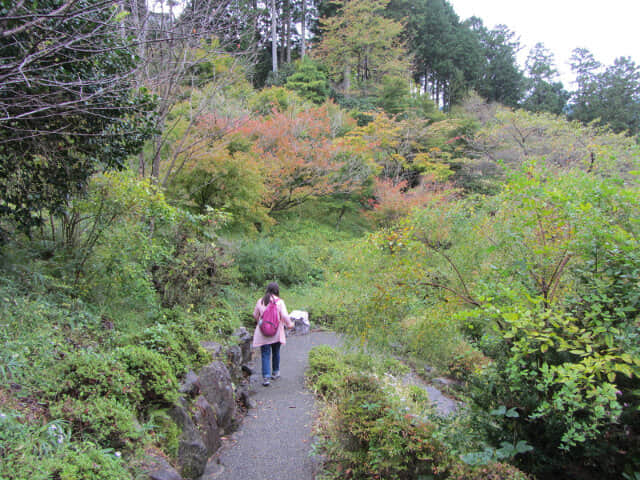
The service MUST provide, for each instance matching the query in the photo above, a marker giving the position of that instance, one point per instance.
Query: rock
(190, 385)
(234, 358)
(205, 419)
(216, 387)
(244, 341)
(443, 381)
(214, 348)
(242, 394)
(301, 321)
(247, 370)
(159, 469)
(192, 452)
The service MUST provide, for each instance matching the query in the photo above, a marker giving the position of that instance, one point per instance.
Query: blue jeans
(267, 362)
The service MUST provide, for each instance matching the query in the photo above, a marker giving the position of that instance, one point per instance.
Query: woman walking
(270, 346)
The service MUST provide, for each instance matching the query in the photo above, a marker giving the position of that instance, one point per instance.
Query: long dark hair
(272, 289)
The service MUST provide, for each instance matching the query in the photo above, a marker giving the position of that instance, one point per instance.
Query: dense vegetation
(393, 168)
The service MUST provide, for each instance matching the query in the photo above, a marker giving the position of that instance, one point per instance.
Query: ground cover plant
(372, 428)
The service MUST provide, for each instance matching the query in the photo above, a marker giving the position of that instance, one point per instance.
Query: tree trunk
(303, 39)
(141, 169)
(288, 25)
(346, 81)
(155, 164)
(274, 38)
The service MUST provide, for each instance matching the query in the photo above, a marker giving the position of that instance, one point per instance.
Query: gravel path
(273, 442)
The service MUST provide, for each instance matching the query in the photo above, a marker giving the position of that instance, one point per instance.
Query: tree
(67, 101)
(446, 53)
(179, 57)
(512, 137)
(309, 81)
(300, 158)
(544, 93)
(500, 79)
(360, 41)
(612, 96)
(394, 95)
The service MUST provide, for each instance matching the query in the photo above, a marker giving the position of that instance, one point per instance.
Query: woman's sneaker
(275, 376)
(265, 382)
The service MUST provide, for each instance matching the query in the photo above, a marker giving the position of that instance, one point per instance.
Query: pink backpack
(270, 320)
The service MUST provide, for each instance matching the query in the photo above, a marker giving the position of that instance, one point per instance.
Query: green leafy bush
(491, 471)
(164, 431)
(177, 343)
(373, 438)
(309, 81)
(274, 98)
(88, 462)
(265, 260)
(87, 374)
(466, 362)
(157, 381)
(326, 370)
(104, 420)
(31, 450)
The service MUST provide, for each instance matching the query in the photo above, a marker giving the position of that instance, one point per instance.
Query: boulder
(216, 387)
(205, 419)
(192, 452)
(244, 341)
(214, 348)
(247, 370)
(158, 468)
(234, 360)
(190, 385)
(242, 394)
(301, 321)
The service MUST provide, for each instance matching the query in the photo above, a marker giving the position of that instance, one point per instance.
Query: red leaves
(298, 155)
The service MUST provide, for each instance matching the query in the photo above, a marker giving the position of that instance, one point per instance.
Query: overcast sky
(609, 28)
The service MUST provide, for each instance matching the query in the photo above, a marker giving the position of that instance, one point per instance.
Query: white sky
(609, 28)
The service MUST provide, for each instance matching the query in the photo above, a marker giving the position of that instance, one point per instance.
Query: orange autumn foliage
(393, 201)
(299, 156)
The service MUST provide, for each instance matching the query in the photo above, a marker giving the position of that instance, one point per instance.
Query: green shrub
(433, 338)
(157, 382)
(265, 260)
(177, 343)
(309, 81)
(326, 371)
(492, 471)
(218, 322)
(88, 374)
(372, 437)
(164, 431)
(104, 420)
(324, 359)
(30, 450)
(274, 98)
(89, 462)
(466, 361)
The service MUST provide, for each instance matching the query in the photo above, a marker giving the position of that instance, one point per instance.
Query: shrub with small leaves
(466, 361)
(89, 462)
(157, 382)
(88, 374)
(177, 343)
(164, 431)
(104, 420)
